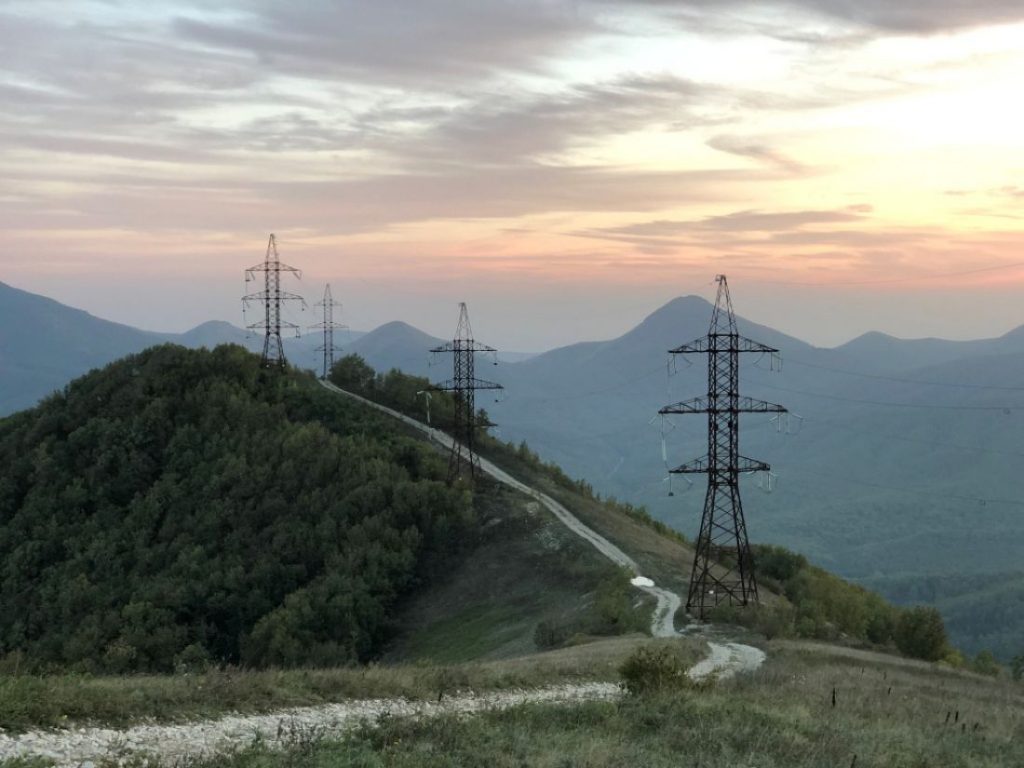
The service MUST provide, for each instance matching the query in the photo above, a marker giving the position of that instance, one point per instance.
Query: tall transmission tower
(272, 297)
(723, 568)
(328, 326)
(463, 385)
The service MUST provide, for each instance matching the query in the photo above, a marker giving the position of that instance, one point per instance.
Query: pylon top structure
(272, 298)
(328, 326)
(723, 568)
(463, 461)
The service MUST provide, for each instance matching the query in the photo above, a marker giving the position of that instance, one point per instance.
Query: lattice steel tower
(463, 386)
(272, 297)
(328, 326)
(723, 569)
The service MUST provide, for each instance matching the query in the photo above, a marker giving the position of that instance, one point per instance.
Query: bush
(1017, 667)
(550, 634)
(652, 669)
(985, 664)
(921, 634)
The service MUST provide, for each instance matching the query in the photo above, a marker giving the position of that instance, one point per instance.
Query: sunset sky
(563, 166)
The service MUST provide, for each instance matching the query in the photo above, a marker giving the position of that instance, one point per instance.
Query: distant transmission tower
(272, 297)
(723, 568)
(463, 385)
(328, 326)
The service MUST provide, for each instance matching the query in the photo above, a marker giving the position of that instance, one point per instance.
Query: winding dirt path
(663, 618)
(78, 747)
(86, 747)
(726, 661)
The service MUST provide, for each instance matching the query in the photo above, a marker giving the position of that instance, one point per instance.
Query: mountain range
(898, 465)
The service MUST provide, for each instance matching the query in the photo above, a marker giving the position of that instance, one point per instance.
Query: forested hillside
(184, 506)
(799, 599)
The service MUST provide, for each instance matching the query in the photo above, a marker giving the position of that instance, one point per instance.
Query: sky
(564, 166)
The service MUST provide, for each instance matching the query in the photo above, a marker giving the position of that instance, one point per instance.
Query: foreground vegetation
(53, 701)
(809, 707)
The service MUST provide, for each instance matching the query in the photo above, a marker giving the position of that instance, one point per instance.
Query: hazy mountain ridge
(885, 476)
(896, 470)
(45, 344)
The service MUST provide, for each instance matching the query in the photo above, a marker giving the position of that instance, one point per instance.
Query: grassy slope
(663, 558)
(527, 568)
(888, 712)
(61, 700)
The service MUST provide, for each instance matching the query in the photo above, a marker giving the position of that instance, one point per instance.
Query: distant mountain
(398, 345)
(902, 462)
(44, 344)
(903, 465)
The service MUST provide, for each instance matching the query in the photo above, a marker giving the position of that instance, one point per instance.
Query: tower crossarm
(702, 466)
(280, 296)
(453, 386)
(262, 325)
(462, 345)
(271, 266)
(704, 404)
(723, 342)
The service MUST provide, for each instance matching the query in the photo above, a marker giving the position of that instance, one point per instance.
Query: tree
(353, 374)
(921, 634)
(985, 664)
(1017, 667)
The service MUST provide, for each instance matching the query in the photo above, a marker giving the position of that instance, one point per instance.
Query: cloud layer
(559, 140)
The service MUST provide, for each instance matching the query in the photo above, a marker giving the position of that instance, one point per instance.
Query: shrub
(652, 669)
(550, 634)
(985, 664)
(1017, 667)
(921, 634)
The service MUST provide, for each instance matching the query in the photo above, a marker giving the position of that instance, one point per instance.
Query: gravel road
(663, 619)
(84, 747)
(727, 660)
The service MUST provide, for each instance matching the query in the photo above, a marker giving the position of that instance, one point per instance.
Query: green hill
(186, 507)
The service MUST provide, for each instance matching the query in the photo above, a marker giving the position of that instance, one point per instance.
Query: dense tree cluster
(824, 606)
(181, 507)
(403, 392)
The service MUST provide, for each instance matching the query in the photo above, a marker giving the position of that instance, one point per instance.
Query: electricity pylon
(723, 568)
(463, 386)
(272, 297)
(328, 326)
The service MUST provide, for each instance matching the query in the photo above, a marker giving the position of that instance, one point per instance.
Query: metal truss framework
(272, 298)
(464, 461)
(328, 326)
(723, 568)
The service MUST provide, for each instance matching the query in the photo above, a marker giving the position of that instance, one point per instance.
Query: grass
(888, 712)
(64, 700)
(662, 557)
(526, 568)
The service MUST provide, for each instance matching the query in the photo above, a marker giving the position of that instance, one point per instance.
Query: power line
(894, 280)
(922, 492)
(883, 403)
(883, 377)
(901, 438)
